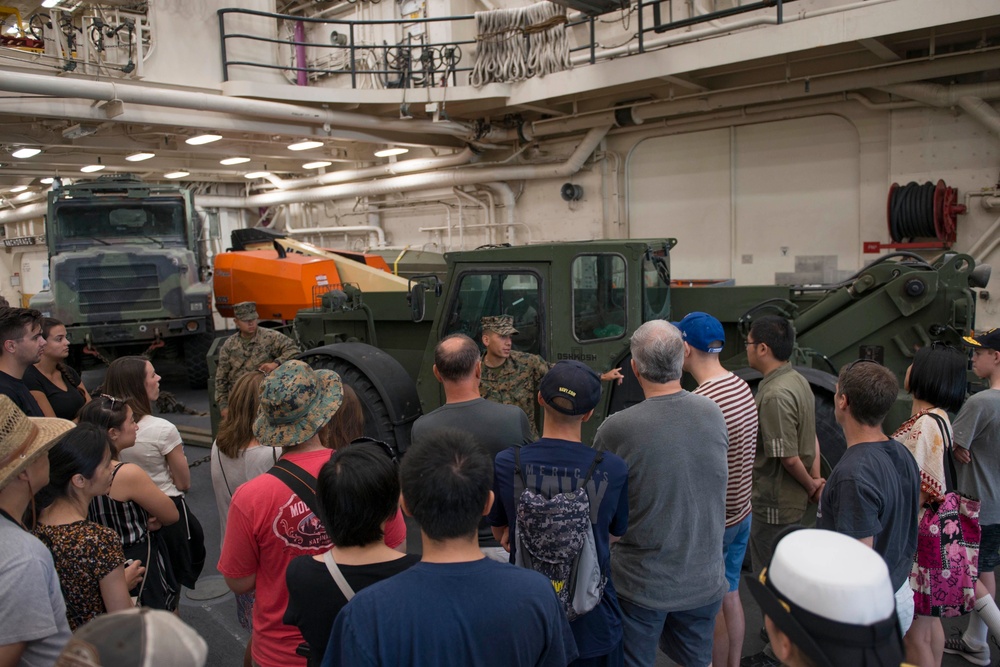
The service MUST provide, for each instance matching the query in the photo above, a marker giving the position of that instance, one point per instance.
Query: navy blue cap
(700, 330)
(575, 382)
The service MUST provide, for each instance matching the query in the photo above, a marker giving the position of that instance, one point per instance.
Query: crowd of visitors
(535, 549)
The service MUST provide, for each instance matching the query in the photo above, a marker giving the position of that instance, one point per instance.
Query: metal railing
(414, 63)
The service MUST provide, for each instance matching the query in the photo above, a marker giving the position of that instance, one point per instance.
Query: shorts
(989, 548)
(685, 636)
(904, 606)
(734, 550)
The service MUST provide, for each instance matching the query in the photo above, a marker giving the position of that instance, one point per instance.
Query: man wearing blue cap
(558, 463)
(704, 339)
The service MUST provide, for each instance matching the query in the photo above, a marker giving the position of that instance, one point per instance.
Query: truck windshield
(158, 221)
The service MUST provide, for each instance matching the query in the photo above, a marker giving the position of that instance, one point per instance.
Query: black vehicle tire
(378, 424)
(196, 359)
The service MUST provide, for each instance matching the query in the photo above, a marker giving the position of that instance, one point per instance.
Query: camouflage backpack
(554, 536)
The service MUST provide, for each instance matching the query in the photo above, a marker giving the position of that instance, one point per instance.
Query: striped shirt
(733, 396)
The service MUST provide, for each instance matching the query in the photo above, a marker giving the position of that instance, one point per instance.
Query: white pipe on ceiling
(412, 182)
(23, 213)
(970, 97)
(36, 84)
(390, 169)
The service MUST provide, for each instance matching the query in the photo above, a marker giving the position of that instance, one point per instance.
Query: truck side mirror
(418, 301)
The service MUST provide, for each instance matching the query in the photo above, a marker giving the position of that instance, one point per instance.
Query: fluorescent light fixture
(304, 145)
(316, 165)
(257, 174)
(24, 153)
(47, 181)
(176, 174)
(139, 157)
(391, 150)
(49, 4)
(234, 160)
(91, 168)
(203, 139)
(19, 188)
(24, 195)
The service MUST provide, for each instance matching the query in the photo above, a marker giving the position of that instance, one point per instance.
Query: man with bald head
(668, 568)
(494, 426)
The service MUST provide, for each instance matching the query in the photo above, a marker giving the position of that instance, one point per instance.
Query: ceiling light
(19, 188)
(47, 181)
(177, 174)
(49, 4)
(234, 160)
(203, 139)
(316, 165)
(391, 150)
(24, 153)
(304, 145)
(139, 157)
(25, 195)
(257, 174)
(91, 168)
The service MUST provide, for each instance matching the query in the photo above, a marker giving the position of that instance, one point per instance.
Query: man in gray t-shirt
(668, 568)
(493, 425)
(977, 450)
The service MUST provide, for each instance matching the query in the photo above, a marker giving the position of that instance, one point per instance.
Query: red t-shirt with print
(268, 526)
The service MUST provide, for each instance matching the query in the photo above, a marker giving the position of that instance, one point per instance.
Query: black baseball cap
(989, 340)
(575, 383)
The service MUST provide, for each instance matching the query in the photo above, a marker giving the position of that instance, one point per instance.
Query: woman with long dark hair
(87, 556)
(134, 505)
(55, 386)
(158, 451)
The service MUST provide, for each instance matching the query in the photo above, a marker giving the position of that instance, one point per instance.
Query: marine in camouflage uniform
(252, 348)
(515, 380)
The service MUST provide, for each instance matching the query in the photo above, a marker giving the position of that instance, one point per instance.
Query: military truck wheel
(378, 423)
(196, 359)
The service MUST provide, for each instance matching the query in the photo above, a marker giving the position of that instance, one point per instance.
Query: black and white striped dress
(129, 520)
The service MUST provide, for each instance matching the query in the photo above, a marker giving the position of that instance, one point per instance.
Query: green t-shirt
(787, 413)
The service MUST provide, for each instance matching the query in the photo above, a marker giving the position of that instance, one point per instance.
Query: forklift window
(483, 294)
(599, 303)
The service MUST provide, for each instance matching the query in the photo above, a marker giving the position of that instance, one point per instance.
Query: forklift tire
(378, 423)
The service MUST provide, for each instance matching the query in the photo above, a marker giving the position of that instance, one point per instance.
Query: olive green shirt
(787, 417)
(515, 382)
(239, 355)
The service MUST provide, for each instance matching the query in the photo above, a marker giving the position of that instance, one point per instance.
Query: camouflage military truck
(584, 300)
(126, 272)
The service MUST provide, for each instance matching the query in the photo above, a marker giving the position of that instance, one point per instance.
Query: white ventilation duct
(102, 91)
(413, 182)
(23, 213)
(390, 169)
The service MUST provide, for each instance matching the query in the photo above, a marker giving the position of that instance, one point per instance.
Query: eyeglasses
(388, 449)
(114, 401)
(752, 342)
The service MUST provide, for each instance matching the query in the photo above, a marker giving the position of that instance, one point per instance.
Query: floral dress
(942, 581)
(84, 553)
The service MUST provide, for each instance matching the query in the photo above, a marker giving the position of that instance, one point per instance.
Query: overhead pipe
(102, 91)
(970, 97)
(391, 169)
(23, 213)
(346, 229)
(414, 182)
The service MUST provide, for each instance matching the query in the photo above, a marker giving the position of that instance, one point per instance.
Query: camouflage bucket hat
(246, 311)
(295, 401)
(501, 324)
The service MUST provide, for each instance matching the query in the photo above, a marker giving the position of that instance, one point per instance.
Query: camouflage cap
(501, 324)
(295, 401)
(246, 311)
